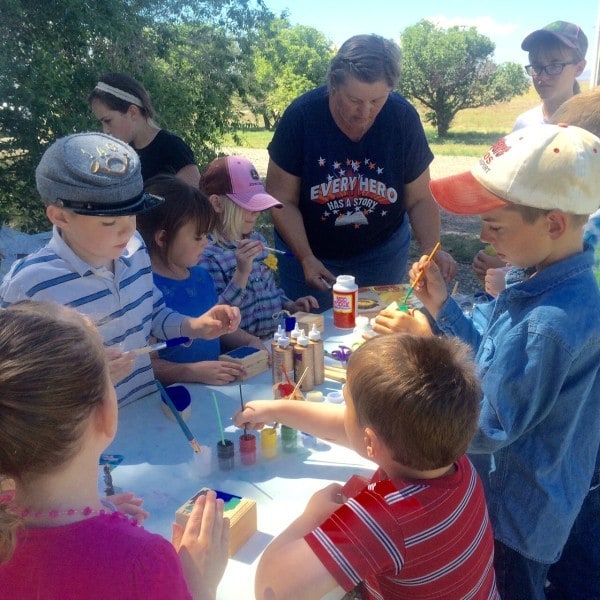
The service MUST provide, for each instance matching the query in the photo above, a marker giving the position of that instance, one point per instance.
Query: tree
(288, 61)
(450, 70)
(192, 56)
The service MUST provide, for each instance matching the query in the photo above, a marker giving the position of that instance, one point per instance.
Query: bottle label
(344, 309)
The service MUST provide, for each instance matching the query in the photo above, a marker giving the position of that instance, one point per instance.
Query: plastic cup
(248, 448)
(225, 451)
(202, 462)
(289, 439)
(268, 442)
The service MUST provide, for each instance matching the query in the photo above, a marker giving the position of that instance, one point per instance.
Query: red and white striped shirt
(412, 539)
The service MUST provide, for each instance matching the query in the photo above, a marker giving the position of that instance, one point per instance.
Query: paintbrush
(277, 251)
(162, 345)
(420, 273)
(294, 391)
(186, 430)
(242, 404)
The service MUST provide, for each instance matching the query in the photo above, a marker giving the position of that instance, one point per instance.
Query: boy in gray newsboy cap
(97, 263)
(93, 174)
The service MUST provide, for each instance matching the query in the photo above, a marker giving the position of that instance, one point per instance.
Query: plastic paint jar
(345, 302)
(248, 448)
(289, 439)
(225, 453)
(268, 442)
(201, 462)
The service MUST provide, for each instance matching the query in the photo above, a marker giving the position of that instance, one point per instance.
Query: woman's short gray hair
(368, 58)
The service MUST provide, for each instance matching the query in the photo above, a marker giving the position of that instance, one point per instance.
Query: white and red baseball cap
(552, 167)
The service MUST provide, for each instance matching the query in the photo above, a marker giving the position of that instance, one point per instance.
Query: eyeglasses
(552, 69)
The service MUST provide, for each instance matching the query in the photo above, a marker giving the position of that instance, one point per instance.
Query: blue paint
(242, 352)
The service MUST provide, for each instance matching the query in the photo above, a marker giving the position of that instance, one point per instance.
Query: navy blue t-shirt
(352, 193)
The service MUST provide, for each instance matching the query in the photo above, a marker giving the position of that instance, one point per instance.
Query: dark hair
(127, 84)
(368, 58)
(183, 204)
(419, 394)
(53, 373)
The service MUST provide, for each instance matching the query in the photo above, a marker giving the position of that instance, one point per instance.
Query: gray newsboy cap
(93, 174)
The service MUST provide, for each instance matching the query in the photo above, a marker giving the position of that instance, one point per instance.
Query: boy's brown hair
(421, 395)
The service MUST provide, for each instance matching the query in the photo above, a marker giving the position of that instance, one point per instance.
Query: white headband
(113, 91)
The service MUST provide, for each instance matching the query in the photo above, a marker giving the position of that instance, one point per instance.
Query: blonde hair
(53, 374)
(231, 218)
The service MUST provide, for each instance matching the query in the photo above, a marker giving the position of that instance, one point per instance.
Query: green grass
(473, 130)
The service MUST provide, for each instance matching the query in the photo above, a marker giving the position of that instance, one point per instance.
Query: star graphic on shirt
(348, 162)
(322, 161)
(367, 161)
(329, 177)
(336, 165)
(372, 166)
(326, 213)
(383, 213)
(379, 170)
(355, 166)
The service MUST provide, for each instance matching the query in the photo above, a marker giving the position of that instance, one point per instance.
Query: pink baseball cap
(236, 177)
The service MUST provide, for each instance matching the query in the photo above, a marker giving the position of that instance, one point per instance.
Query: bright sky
(505, 22)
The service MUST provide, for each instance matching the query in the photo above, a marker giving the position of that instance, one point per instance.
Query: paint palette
(375, 298)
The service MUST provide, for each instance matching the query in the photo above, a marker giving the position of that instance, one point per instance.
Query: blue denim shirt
(538, 354)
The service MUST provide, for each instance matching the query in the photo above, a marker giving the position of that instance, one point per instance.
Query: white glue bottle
(303, 361)
(345, 302)
(316, 344)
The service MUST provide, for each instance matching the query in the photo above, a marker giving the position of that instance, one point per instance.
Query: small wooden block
(241, 513)
(255, 361)
(305, 321)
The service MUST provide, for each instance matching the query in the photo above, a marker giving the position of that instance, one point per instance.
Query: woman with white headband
(123, 107)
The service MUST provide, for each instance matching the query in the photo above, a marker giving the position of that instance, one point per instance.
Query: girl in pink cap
(241, 265)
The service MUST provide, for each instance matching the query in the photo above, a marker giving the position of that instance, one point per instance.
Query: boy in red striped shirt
(419, 528)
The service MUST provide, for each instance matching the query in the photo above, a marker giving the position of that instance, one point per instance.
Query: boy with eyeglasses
(557, 58)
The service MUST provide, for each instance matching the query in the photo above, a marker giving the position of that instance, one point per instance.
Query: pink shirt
(97, 558)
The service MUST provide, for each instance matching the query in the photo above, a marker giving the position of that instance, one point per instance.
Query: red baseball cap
(236, 178)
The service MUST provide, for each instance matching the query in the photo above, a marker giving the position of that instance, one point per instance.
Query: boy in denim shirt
(537, 345)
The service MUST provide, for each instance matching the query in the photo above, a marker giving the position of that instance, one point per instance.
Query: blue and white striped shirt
(125, 305)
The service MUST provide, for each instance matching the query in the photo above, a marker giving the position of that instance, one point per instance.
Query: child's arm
(215, 322)
(203, 546)
(209, 372)
(325, 421)
(391, 320)
(304, 303)
(288, 568)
